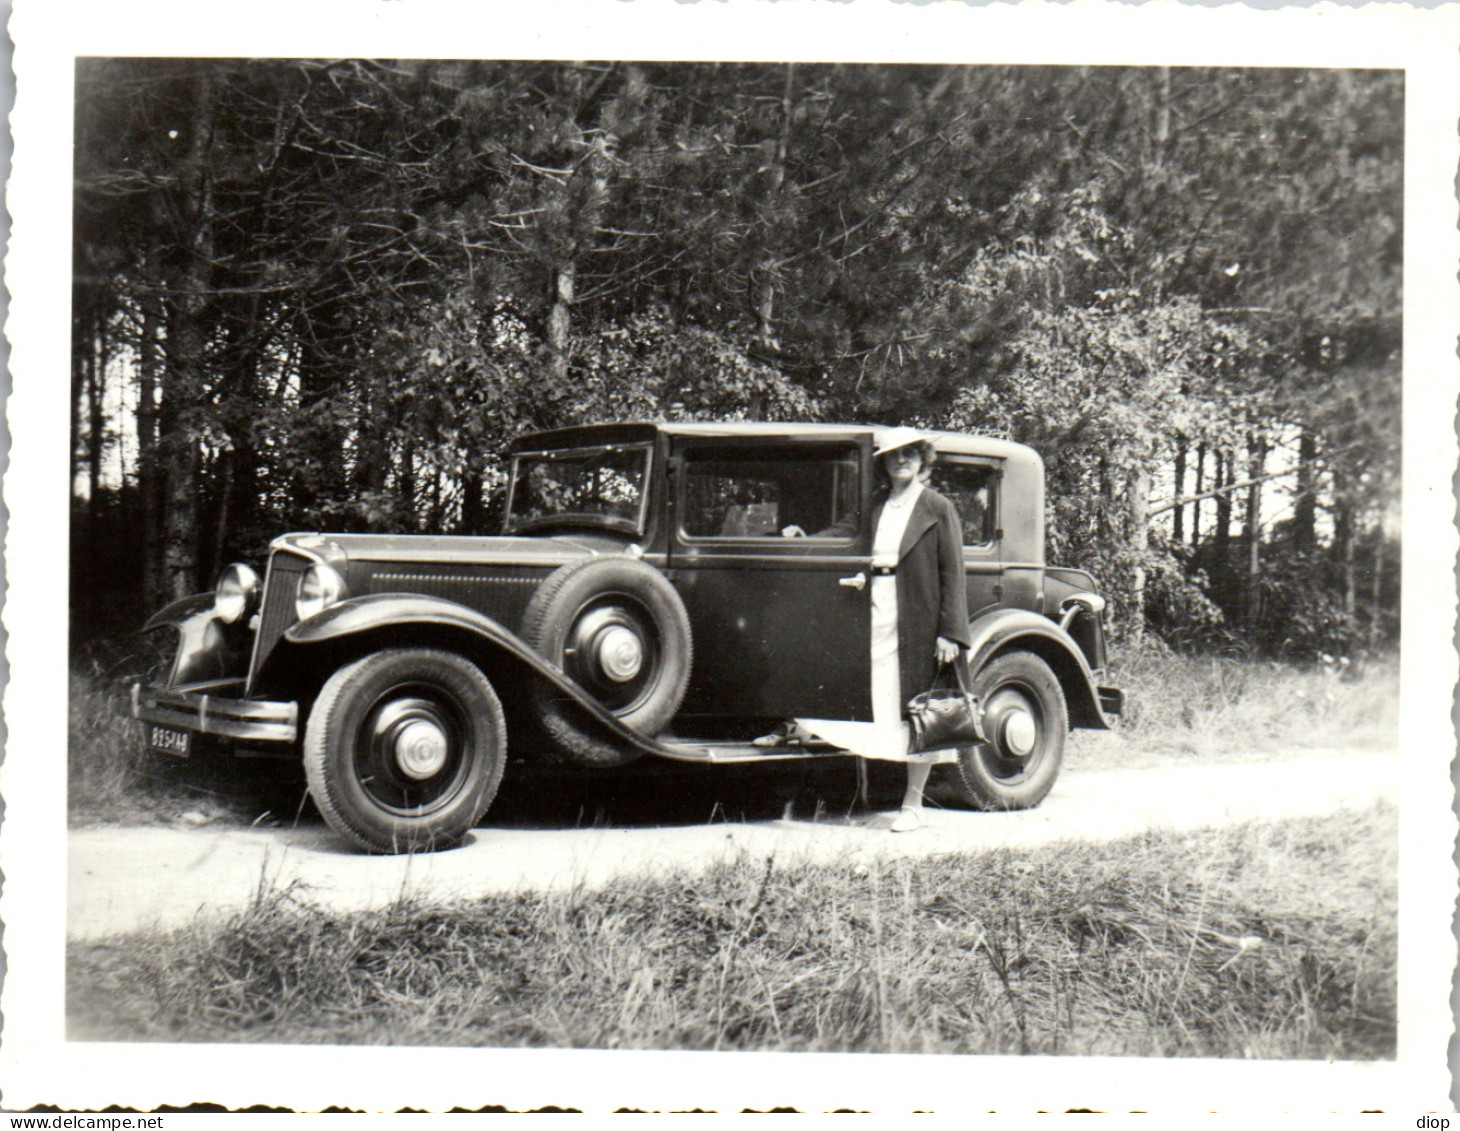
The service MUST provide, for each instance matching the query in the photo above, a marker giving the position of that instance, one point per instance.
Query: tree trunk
(223, 516)
(1138, 493)
(435, 521)
(1376, 593)
(1344, 544)
(322, 336)
(1347, 548)
(1305, 504)
(96, 524)
(559, 325)
(1178, 523)
(96, 358)
(1252, 535)
(179, 531)
(1201, 465)
(1223, 532)
(473, 505)
(84, 534)
(406, 480)
(187, 339)
(372, 428)
(148, 477)
(768, 345)
(1105, 519)
(80, 356)
(587, 195)
(1162, 124)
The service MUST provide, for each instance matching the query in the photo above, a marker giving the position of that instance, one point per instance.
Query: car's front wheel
(404, 749)
(1025, 721)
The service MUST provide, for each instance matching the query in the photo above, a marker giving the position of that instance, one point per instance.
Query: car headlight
(236, 595)
(321, 587)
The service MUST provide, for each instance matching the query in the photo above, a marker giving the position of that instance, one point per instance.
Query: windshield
(592, 486)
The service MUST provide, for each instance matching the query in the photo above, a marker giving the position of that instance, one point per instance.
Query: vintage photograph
(548, 359)
(572, 554)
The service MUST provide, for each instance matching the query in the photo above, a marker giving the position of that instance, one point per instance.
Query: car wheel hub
(1019, 733)
(421, 749)
(620, 654)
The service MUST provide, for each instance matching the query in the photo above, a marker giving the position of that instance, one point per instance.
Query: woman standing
(919, 611)
(919, 599)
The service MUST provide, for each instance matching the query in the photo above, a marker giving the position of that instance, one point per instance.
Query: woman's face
(903, 464)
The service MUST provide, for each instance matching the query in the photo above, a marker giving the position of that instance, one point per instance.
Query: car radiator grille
(281, 588)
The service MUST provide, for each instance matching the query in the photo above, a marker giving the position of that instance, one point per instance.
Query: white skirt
(887, 737)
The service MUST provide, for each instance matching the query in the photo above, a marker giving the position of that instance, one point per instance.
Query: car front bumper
(213, 707)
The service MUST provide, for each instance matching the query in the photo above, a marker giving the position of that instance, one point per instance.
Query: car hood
(460, 549)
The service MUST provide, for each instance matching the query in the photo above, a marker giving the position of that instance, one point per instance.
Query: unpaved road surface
(122, 879)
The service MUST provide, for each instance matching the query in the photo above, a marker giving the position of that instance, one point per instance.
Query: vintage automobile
(642, 598)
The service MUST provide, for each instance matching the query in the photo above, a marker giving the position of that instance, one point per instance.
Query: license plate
(169, 741)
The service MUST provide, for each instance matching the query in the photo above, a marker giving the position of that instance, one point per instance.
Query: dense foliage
(322, 294)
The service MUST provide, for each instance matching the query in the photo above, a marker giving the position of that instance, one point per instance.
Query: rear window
(972, 489)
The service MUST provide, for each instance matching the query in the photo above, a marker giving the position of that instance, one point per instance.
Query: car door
(770, 551)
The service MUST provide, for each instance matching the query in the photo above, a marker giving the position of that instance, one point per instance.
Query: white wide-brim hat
(900, 437)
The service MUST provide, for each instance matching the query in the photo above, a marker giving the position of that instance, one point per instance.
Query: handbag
(944, 717)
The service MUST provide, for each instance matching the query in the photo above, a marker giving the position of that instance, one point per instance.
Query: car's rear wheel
(618, 629)
(1025, 720)
(404, 749)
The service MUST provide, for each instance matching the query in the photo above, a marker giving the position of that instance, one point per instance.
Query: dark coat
(932, 588)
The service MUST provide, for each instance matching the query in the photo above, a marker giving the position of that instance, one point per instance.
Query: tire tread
(323, 734)
(968, 786)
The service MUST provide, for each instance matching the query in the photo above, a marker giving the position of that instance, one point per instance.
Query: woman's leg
(917, 778)
(909, 818)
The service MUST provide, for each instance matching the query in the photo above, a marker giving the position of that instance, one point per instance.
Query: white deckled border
(38, 1066)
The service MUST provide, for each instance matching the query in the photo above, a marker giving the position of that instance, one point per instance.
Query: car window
(971, 488)
(745, 493)
(604, 484)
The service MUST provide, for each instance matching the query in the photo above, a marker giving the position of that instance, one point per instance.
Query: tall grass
(1224, 707)
(1262, 941)
(112, 778)
(106, 762)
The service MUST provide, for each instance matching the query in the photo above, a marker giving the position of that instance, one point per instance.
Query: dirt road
(122, 879)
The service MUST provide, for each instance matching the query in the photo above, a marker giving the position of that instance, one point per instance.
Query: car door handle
(857, 582)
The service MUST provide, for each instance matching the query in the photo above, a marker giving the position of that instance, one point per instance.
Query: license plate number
(169, 741)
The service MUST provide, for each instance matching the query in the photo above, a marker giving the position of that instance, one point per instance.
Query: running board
(723, 752)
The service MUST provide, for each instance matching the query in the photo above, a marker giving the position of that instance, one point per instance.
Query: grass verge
(1228, 709)
(1268, 940)
(112, 778)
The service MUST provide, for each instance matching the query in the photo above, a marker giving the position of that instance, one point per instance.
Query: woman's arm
(952, 579)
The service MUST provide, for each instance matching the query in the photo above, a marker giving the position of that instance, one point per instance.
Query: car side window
(747, 493)
(972, 488)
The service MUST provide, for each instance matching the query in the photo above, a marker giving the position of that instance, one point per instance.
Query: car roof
(641, 431)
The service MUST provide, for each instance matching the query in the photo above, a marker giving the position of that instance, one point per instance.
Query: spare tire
(618, 629)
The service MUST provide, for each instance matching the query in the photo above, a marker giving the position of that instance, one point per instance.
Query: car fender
(1007, 629)
(206, 647)
(411, 616)
(179, 612)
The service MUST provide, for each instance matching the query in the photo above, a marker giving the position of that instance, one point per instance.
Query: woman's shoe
(908, 820)
(788, 733)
